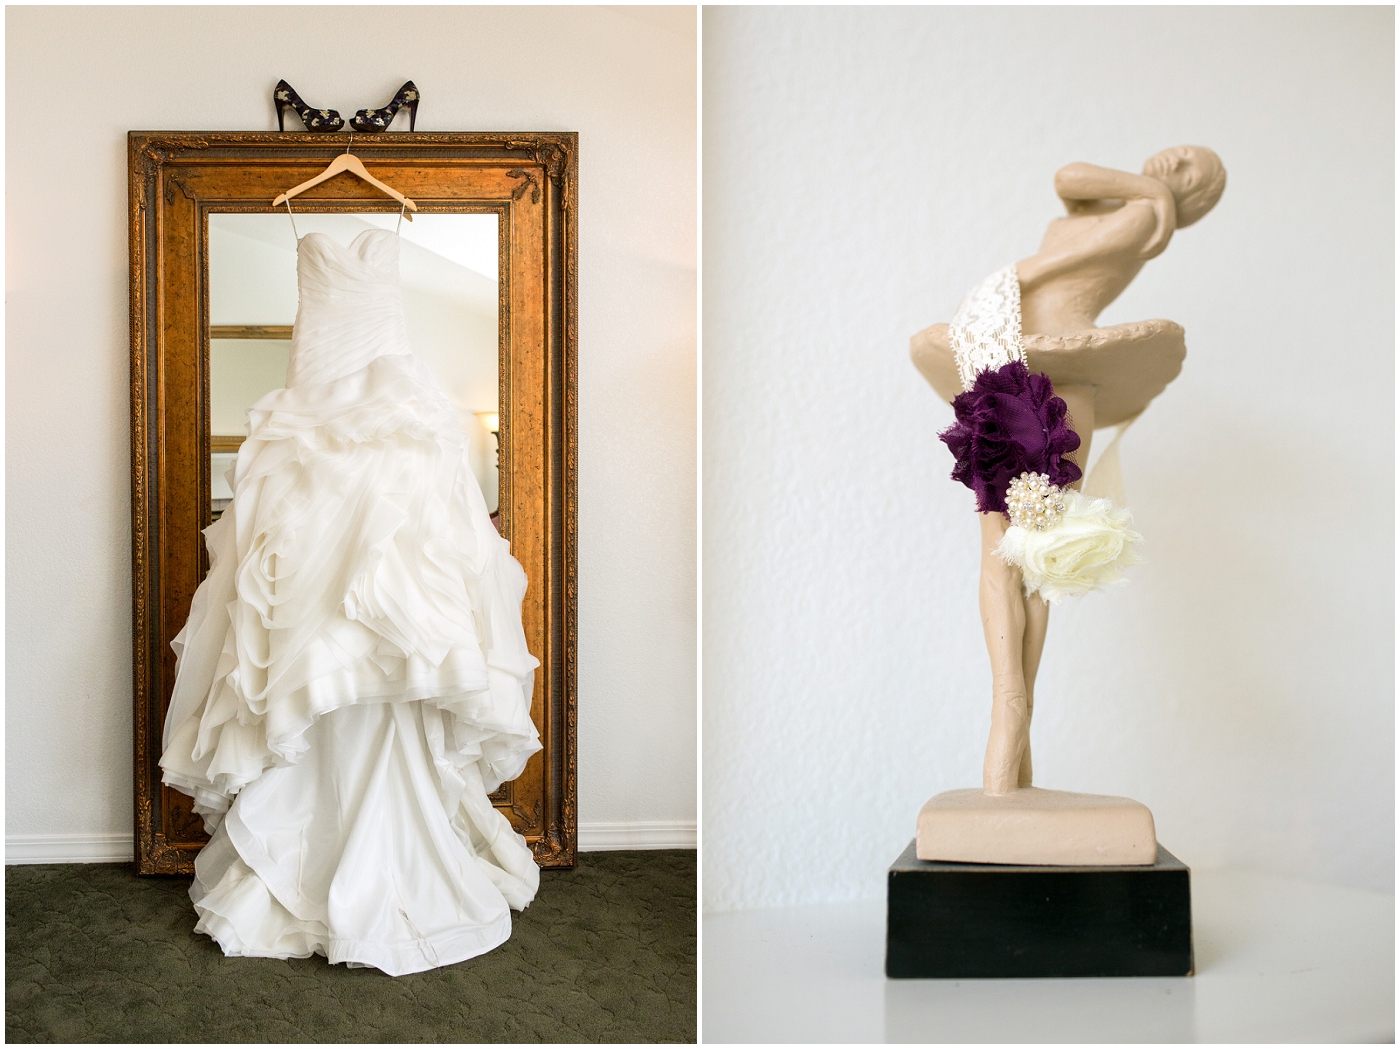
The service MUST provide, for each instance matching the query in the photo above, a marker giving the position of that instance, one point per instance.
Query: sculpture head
(1195, 176)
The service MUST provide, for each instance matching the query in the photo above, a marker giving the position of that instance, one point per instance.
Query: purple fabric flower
(1009, 422)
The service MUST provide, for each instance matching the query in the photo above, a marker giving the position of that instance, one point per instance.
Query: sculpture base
(1033, 826)
(967, 921)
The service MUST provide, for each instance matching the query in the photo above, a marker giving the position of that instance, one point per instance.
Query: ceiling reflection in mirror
(448, 272)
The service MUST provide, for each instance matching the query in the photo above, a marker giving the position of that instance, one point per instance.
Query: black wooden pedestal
(968, 920)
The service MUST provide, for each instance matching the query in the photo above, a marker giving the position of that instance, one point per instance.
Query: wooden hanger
(347, 161)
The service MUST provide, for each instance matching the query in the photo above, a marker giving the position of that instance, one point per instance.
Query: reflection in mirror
(448, 271)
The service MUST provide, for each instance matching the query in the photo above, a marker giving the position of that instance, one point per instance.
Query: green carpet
(606, 953)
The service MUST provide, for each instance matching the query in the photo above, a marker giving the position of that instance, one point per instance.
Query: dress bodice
(350, 307)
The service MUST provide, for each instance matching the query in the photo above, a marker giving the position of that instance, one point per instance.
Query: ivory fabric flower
(1009, 423)
(1088, 548)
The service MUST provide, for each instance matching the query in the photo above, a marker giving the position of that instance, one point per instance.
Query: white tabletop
(1277, 960)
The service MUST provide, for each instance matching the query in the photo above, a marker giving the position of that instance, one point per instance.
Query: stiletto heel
(379, 119)
(284, 98)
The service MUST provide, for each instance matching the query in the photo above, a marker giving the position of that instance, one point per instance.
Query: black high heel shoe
(379, 119)
(283, 97)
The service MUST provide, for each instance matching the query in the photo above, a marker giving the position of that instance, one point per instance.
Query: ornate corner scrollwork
(529, 184)
(528, 820)
(158, 151)
(552, 154)
(552, 852)
(161, 858)
(155, 153)
(171, 181)
(154, 158)
(554, 157)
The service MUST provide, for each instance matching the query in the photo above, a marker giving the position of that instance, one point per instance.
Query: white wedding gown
(353, 678)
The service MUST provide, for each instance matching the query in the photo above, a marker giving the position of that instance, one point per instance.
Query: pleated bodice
(351, 306)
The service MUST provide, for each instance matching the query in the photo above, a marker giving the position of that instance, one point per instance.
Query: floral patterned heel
(283, 97)
(380, 119)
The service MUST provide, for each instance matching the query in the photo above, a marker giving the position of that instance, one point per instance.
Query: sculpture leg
(1037, 620)
(1080, 402)
(1004, 627)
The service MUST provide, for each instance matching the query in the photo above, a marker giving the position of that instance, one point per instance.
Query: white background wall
(623, 79)
(863, 168)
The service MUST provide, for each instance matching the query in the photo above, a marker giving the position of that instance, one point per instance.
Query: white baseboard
(610, 837)
(117, 848)
(68, 848)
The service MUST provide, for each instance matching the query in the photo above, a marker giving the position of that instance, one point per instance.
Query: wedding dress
(353, 679)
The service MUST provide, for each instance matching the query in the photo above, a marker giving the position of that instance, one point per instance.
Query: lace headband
(1011, 440)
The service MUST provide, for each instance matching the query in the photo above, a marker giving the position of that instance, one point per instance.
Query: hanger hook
(351, 142)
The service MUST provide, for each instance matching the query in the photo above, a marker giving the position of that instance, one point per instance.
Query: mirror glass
(451, 296)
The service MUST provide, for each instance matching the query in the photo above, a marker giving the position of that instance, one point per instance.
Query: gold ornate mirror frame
(176, 179)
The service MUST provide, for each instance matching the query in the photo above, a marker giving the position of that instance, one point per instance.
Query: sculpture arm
(1082, 186)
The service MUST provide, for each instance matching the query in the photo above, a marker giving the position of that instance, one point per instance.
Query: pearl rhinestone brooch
(1033, 503)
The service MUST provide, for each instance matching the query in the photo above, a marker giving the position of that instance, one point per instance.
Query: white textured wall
(863, 168)
(625, 80)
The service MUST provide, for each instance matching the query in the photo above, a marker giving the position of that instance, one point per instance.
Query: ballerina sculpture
(1032, 320)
